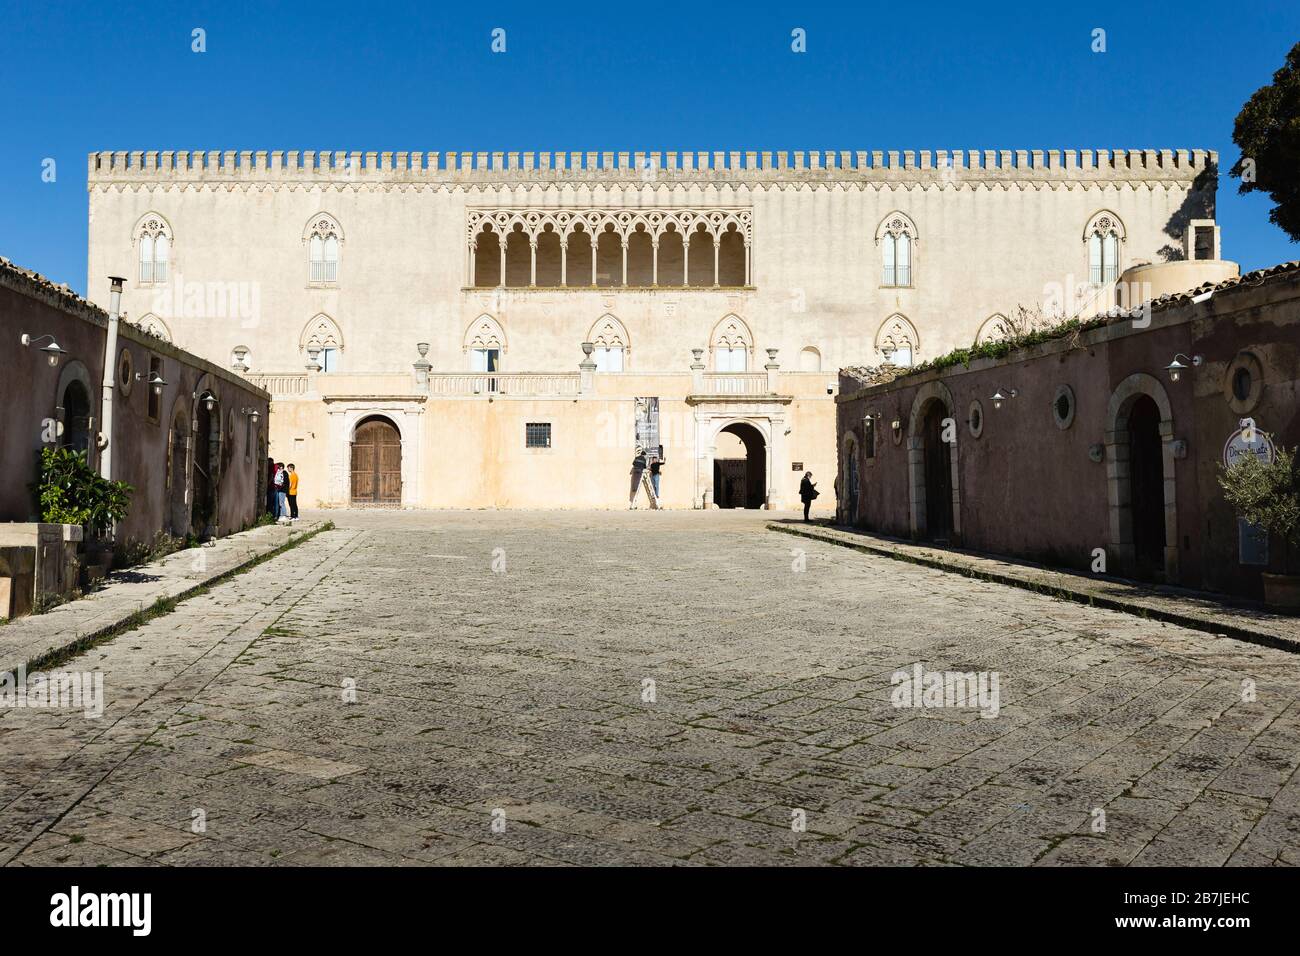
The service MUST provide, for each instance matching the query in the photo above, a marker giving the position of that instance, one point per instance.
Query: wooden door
(377, 463)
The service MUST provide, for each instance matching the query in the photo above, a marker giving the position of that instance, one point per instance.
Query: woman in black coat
(807, 492)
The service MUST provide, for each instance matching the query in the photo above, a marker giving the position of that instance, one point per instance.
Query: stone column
(564, 260)
(624, 240)
(587, 370)
(717, 245)
(532, 255)
(697, 371)
(654, 246)
(473, 255)
(422, 367)
(501, 279)
(686, 260)
(748, 278)
(313, 367)
(593, 259)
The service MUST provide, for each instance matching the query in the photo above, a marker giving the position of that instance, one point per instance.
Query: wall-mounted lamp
(252, 413)
(155, 381)
(1176, 368)
(52, 351)
(209, 400)
(999, 396)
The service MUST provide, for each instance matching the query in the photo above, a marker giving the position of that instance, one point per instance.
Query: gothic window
(323, 236)
(322, 340)
(485, 343)
(897, 341)
(896, 237)
(731, 345)
(152, 325)
(1104, 236)
(610, 341)
(995, 327)
(153, 239)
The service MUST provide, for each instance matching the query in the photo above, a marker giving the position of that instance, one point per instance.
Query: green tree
(1266, 495)
(1268, 133)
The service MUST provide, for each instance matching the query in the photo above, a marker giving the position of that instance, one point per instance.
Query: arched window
(897, 341)
(995, 327)
(153, 239)
(1104, 235)
(610, 341)
(810, 360)
(485, 343)
(731, 345)
(323, 236)
(152, 325)
(896, 237)
(322, 340)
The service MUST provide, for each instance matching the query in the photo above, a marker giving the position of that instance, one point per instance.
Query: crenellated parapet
(865, 167)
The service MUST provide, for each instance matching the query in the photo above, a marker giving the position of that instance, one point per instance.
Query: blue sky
(611, 76)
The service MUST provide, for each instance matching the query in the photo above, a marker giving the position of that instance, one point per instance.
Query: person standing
(807, 492)
(270, 486)
(654, 474)
(293, 492)
(281, 493)
(638, 469)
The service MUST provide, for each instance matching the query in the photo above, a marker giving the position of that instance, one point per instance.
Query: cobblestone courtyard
(515, 695)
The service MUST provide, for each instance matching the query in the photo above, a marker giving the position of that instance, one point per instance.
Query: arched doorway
(1147, 487)
(376, 463)
(1140, 479)
(76, 418)
(178, 502)
(207, 436)
(740, 467)
(938, 473)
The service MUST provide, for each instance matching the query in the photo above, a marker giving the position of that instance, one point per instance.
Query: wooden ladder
(649, 490)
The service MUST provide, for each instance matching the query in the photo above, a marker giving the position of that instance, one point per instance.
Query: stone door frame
(930, 391)
(1119, 489)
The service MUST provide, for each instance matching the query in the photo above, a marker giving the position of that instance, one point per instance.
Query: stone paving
(1199, 610)
(505, 716)
(127, 593)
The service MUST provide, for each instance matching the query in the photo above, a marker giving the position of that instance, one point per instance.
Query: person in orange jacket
(293, 493)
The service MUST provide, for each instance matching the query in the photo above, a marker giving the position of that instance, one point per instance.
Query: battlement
(942, 165)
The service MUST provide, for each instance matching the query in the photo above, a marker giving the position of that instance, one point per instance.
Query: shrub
(69, 491)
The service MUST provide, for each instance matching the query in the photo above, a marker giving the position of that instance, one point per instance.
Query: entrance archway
(938, 474)
(932, 466)
(1140, 479)
(851, 480)
(207, 435)
(178, 447)
(76, 418)
(740, 467)
(376, 463)
(1147, 487)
